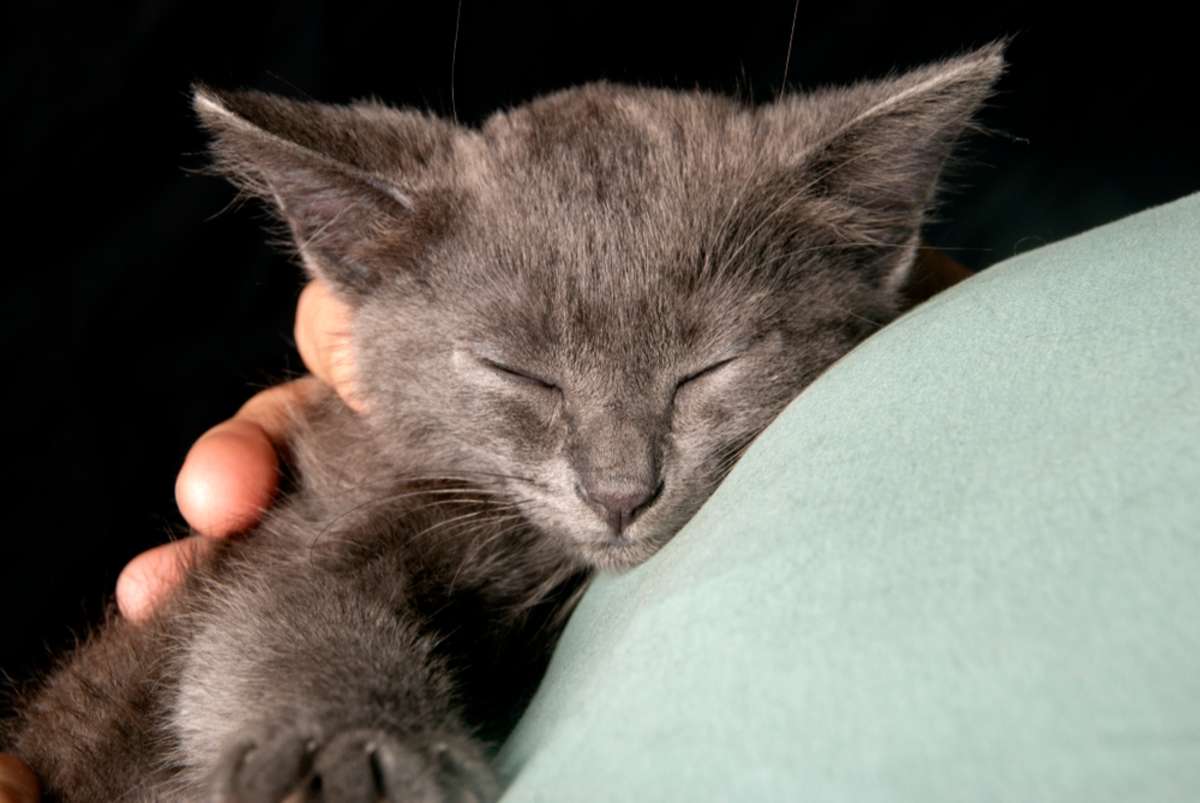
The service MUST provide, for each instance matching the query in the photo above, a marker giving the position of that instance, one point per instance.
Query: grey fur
(568, 326)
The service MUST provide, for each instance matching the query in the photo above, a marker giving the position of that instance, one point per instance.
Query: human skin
(230, 474)
(227, 480)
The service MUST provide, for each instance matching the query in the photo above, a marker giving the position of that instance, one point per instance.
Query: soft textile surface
(964, 565)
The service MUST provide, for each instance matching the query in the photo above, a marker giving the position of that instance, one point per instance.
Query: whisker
(385, 499)
(787, 61)
(471, 555)
(454, 60)
(439, 525)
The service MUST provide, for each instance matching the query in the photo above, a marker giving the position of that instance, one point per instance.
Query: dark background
(141, 311)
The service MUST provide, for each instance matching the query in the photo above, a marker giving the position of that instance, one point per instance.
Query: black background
(141, 310)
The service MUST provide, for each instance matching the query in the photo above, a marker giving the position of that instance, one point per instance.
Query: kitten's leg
(95, 729)
(323, 683)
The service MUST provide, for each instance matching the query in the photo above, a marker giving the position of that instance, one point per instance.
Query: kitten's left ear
(347, 179)
(873, 153)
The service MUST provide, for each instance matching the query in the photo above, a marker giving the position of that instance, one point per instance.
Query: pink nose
(618, 502)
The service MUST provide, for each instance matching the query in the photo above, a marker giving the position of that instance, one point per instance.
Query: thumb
(323, 339)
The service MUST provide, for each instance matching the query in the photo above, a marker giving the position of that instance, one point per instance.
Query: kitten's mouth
(594, 543)
(614, 556)
(617, 552)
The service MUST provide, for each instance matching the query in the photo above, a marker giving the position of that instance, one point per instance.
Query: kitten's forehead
(619, 147)
(601, 308)
(616, 188)
(592, 206)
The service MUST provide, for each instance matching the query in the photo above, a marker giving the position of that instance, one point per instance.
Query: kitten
(568, 325)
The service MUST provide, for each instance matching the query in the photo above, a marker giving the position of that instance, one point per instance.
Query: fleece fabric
(962, 565)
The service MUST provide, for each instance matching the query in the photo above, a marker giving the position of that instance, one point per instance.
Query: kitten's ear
(344, 178)
(874, 152)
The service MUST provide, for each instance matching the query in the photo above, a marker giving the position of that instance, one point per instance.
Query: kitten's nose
(619, 502)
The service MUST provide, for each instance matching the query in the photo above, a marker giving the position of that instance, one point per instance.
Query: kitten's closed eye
(520, 375)
(705, 373)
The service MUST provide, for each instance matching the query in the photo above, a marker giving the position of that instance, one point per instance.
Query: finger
(931, 273)
(17, 782)
(152, 575)
(230, 474)
(323, 340)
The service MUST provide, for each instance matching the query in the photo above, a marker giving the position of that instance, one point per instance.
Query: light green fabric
(962, 566)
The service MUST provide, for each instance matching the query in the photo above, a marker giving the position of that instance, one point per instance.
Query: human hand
(230, 475)
(228, 478)
(932, 272)
(17, 784)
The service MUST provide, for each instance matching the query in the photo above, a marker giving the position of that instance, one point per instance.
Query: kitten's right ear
(346, 179)
(872, 154)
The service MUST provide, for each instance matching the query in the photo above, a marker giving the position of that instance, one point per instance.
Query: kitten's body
(358, 605)
(568, 325)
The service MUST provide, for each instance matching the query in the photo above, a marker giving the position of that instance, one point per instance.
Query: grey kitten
(568, 324)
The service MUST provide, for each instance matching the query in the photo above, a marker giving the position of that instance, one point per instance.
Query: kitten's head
(596, 300)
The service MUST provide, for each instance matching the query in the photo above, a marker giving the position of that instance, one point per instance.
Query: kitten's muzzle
(619, 502)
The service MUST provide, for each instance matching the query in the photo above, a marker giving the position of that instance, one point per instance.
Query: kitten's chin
(594, 545)
(616, 554)
(614, 557)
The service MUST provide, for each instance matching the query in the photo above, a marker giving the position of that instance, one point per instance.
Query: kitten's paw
(357, 766)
